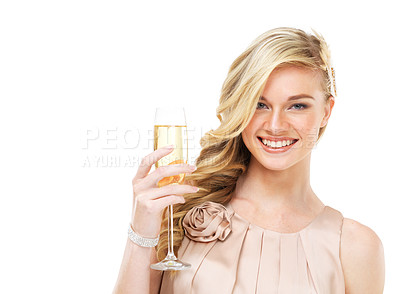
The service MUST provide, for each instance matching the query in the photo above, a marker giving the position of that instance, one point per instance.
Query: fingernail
(170, 146)
(196, 189)
(192, 167)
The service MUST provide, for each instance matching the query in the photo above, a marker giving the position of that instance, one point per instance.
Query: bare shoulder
(362, 257)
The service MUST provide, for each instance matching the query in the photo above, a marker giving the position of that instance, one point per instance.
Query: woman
(255, 225)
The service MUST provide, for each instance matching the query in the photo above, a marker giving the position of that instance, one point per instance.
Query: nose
(276, 123)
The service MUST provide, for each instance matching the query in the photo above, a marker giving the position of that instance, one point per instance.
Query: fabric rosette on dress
(208, 222)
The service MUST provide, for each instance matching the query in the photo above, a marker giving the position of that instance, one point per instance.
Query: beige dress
(230, 255)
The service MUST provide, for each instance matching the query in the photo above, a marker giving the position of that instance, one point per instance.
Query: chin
(277, 167)
(277, 164)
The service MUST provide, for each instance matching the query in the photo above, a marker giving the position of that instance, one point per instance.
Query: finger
(150, 159)
(157, 193)
(167, 171)
(163, 202)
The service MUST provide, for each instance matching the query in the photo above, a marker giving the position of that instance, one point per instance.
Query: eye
(260, 105)
(302, 106)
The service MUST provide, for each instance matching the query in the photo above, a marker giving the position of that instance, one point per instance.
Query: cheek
(308, 128)
(246, 136)
(249, 131)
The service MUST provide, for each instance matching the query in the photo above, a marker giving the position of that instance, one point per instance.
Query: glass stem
(171, 255)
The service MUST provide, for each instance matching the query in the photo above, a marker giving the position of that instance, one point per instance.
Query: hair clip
(334, 80)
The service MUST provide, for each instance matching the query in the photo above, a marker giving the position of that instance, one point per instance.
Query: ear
(328, 110)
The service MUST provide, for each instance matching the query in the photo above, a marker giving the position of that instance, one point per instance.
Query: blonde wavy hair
(224, 156)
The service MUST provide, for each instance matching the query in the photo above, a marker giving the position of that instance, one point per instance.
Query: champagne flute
(170, 128)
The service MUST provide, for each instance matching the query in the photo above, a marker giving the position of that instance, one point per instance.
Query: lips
(277, 149)
(276, 139)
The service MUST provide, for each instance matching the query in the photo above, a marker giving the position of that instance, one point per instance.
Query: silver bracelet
(141, 241)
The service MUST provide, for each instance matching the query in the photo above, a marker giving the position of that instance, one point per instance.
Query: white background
(77, 70)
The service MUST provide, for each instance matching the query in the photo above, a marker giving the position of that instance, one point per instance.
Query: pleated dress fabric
(230, 255)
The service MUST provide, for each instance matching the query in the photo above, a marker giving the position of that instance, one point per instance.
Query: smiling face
(292, 107)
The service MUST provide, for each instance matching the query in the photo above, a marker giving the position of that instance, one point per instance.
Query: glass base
(170, 265)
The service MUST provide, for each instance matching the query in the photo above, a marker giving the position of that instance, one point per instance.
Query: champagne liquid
(167, 135)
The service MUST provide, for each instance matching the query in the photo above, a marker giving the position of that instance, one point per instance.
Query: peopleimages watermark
(115, 161)
(124, 147)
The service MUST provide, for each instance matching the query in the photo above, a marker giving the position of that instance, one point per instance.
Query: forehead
(288, 81)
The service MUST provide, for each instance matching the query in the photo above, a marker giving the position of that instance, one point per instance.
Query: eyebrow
(294, 97)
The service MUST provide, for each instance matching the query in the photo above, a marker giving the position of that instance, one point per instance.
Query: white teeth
(277, 144)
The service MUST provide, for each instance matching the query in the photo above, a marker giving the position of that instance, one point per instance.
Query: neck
(275, 189)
